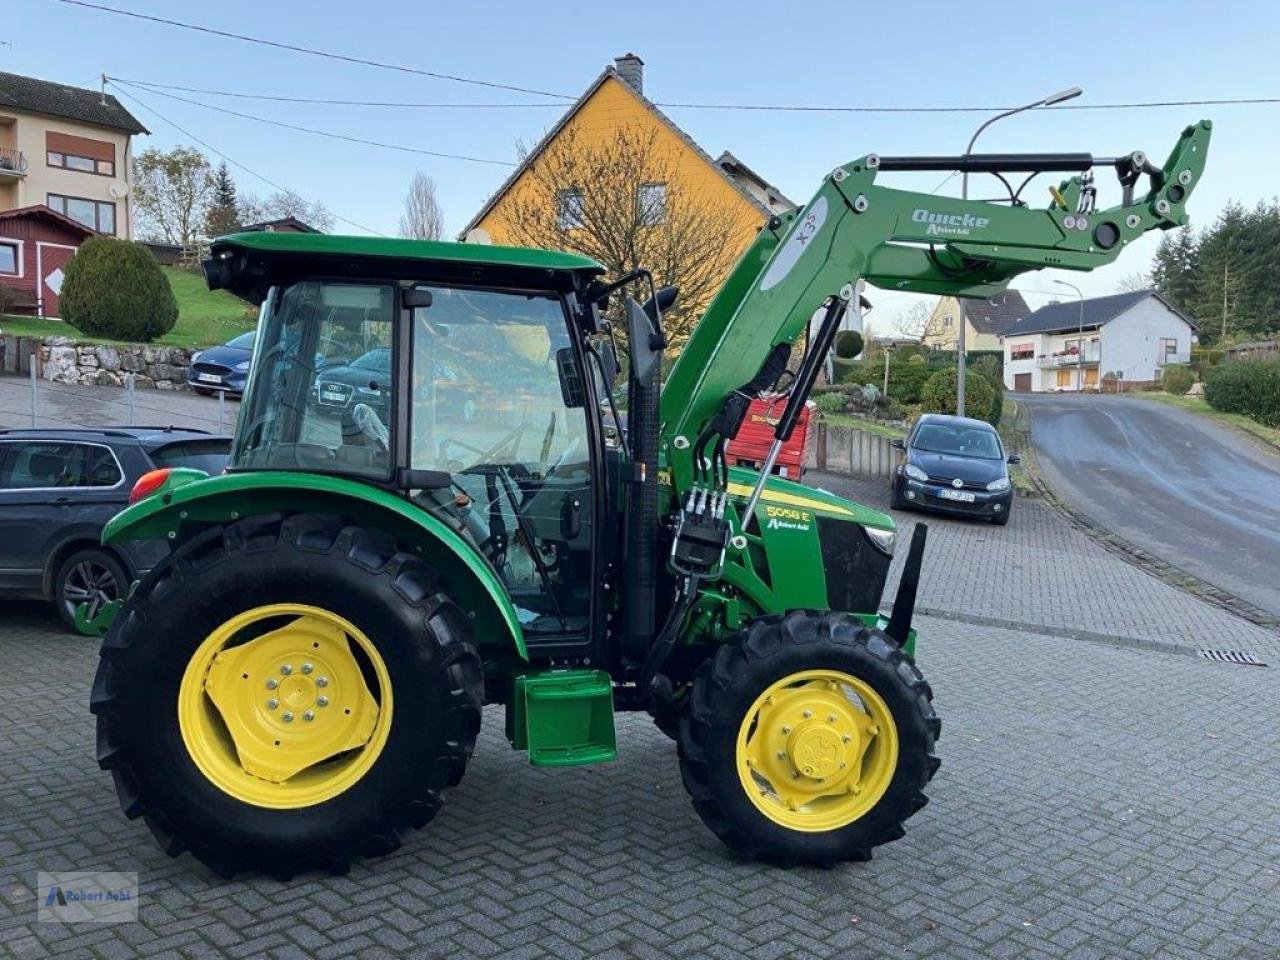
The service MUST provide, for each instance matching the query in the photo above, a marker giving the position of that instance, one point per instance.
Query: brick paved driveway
(1094, 802)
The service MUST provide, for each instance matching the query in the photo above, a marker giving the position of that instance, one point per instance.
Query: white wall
(1012, 367)
(1131, 342)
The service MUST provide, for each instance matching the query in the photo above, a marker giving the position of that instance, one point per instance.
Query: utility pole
(961, 347)
(1226, 281)
(1080, 342)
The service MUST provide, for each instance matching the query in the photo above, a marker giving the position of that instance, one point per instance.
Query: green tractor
(437, 499)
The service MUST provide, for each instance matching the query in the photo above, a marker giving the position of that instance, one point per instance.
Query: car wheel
(895, 499)
(1001, 520)
(89, 576)
(202, 391)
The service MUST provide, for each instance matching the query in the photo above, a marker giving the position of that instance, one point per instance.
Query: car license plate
(208, 378)
(963, 496)
(335, 395)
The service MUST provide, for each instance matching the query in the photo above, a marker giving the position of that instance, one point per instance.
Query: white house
(1127, 338)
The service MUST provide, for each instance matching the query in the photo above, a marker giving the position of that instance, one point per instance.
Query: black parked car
(223, 368)
(58, 488)
(954, 465)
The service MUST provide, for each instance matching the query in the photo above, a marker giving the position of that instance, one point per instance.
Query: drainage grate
(1232, 656)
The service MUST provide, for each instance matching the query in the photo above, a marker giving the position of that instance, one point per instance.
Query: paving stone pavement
(1094, 802)
(1041, 570)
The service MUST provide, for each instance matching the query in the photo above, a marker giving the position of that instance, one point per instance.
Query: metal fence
(29, 401)
(849, 450)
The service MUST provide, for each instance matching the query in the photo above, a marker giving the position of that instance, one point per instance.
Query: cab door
(492, 403)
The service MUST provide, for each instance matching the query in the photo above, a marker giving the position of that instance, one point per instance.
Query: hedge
(905, 377)
(115, 289)
(1177, 379)
(1250, 387)
(982, 399)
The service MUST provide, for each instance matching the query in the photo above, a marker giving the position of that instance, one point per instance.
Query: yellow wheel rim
(817, 750)
(285, 706)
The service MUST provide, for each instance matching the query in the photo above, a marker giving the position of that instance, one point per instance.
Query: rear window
(207, 455)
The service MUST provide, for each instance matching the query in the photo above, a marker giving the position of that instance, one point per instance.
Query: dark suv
(57, 490)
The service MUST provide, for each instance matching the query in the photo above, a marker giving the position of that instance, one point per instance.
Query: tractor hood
(781, 492)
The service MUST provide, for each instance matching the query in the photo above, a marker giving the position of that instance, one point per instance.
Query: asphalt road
(1192, 492)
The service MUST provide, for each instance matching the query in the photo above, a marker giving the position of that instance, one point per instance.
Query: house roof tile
(996, 314)
(70, 103)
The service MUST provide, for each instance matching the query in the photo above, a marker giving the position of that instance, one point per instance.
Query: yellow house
(984, 321)
(616, 100)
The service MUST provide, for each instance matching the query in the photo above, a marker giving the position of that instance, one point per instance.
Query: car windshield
(308, 405)
(244, 341)
(960, 440)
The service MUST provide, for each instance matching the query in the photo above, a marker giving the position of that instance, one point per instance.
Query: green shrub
(1250, 387)
(834, 402)
(115, 289)
(1177, 379)
(981, 398)
(848, 344)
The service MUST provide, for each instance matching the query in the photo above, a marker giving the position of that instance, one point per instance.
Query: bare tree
(625, 203)
(286, 203)
(172, 190)
(918, 322)
(422, 218)
(1133, 282)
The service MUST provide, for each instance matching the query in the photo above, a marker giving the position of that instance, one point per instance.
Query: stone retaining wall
(62, 360)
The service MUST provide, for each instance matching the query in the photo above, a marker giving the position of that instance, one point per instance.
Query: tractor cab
(452, 380)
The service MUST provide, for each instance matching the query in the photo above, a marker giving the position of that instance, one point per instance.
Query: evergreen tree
(223, 216)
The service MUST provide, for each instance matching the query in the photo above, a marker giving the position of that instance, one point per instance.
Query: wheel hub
(817, 750)
(289, 699)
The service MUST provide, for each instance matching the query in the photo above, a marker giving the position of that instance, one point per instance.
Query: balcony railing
(1055, 360)
(1171, 359)
(13, 163)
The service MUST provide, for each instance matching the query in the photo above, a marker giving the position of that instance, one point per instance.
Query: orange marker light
(148, 484)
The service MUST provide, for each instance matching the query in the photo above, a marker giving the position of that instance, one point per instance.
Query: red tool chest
(750, 447)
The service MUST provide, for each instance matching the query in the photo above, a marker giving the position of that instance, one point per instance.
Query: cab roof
(270, 257)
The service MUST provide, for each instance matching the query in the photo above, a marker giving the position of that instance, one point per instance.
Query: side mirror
(412, 297)
(1013, 458)
(898, 443)
(666, 299)
(570, 383)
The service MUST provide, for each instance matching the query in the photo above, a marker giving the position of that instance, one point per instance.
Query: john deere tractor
(438, 499)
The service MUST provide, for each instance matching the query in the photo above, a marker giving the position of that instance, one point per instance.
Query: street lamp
(1054, 98)
(1080, 348)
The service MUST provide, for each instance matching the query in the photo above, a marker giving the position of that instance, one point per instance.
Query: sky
(843, 54)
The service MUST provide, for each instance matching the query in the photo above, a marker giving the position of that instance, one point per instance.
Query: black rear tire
(359, 574)
(774, 648)
(89, 575)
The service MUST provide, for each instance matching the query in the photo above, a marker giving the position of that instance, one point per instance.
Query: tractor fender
(174, 514)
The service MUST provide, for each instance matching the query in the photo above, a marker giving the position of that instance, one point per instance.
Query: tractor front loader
(437, 499)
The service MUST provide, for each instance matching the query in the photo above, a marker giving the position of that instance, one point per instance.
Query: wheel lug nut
(786, 730)
(322, 701)
(272, 703)
(831, 718)
(272, 684)
(286, 669)
(782, 754)
(306, 668)
(322, 681)
(309, 715)
(846, 738)
(808, 714)
(287, 717)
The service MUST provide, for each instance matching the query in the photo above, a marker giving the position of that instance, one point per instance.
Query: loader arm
(853, 229)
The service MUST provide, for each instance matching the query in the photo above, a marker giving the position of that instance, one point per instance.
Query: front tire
(236, 629)
(809, 739)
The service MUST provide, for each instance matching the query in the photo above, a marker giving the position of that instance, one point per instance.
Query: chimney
(631, 69)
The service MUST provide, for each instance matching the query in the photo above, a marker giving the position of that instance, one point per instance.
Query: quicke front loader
(437, 500)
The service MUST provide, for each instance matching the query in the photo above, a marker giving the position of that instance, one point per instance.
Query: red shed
(36, 244)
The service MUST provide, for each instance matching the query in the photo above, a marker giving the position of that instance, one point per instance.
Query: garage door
(1022, 381)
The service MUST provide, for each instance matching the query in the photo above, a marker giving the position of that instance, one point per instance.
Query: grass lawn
(1198, 405)
(205, 316)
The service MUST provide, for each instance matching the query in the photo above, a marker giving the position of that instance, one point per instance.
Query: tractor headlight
(882, 540)
(1000, 483)
(915, 473)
